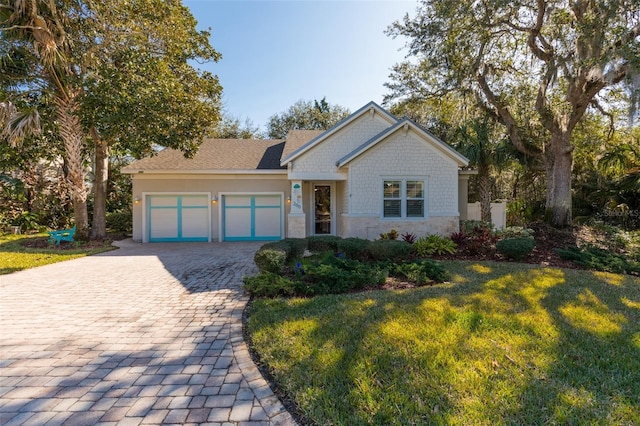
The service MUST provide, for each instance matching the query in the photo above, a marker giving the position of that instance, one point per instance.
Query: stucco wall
(214, 184)
(403, 156)
(323, 157)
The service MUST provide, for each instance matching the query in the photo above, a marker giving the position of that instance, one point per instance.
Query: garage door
(252, 217)
(178, 217)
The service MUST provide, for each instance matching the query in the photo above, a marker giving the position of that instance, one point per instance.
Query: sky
(275, 53)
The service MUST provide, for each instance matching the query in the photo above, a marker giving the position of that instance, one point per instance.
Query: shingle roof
(216, 154)
(297, 138)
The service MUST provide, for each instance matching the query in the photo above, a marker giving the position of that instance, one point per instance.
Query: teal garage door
(178, 218)
(252, 217)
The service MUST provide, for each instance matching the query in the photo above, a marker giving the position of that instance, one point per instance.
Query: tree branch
(502, 114)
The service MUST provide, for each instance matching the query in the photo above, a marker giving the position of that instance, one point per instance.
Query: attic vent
(405, 128)
(372, 111)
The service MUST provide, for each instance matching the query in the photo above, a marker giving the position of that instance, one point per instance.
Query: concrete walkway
(147, 334)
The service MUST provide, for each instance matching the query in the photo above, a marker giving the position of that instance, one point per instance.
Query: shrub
(459, 238)
(515, 232)
(599, 259)
(354, 248)
(391, 235)
(297, 246)
(120, 221)
(434, 244)
(267, 284)
(516, 248)
(334, 275)
(468, 227)
(321, 243)
(421, 271)
(409, 237)
(272, 257)
(389, 250)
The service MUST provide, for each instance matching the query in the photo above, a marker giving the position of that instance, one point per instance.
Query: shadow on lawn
(529, 346)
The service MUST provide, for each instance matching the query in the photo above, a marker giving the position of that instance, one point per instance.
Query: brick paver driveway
(147, 334)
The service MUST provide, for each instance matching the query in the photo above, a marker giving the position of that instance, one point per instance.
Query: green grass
(503, 343)
(16, 257)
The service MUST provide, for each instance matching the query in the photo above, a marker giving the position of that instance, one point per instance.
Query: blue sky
(275, 53)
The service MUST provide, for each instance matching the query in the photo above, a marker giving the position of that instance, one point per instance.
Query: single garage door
(252, 217)
(178, 217)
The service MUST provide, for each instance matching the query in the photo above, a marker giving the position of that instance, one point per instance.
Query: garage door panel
(164, 223)
(252, 217)
(195, 201)
(267, 200)
(267, 222)
(192, 222)
(238, 222)
(176, 217)
(238, 201)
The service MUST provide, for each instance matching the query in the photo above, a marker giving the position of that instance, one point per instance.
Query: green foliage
(305, 115)
(470, 226)
(354, 248)
(297, 246)
(389, 250)
(599, 259)
(516, 248)
(27, 221)
(420, 271)
(321, 243)
(391, 235)
(268, 284)
(515, 232)
(272, 257)
(434, 244)
(331, 275)
(120, 221)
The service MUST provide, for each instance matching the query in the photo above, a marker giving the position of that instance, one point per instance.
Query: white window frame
(403, 197)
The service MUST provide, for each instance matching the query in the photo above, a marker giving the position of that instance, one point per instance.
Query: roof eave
(206, 172)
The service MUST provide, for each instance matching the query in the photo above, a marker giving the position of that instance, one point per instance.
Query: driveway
(146, 334)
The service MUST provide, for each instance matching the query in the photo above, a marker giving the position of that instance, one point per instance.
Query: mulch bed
(547, 240)
(43, 243)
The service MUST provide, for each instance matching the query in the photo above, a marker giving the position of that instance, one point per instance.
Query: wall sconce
(214, 199)
(136, 200)
(288, 199)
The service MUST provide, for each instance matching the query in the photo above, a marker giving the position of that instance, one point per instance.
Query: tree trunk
(484, 191)
(101, 176)
(72, 135)
(559, 160)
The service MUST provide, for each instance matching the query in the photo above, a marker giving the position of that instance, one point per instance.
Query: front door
(323, 214)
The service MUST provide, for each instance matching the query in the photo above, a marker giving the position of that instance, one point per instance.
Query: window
(403, 198)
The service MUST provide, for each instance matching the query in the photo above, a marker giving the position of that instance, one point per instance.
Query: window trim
(404, 198)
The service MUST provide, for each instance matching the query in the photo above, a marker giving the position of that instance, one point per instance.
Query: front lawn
(18, 252)
(502, 343)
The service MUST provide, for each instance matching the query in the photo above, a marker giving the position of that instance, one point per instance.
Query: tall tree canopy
(305, 115)
(531, 64)
(120, 75)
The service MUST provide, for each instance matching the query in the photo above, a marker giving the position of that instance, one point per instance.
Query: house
(368, 174)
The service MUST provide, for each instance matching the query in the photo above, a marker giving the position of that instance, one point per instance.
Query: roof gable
(405, 124)
(370, 108)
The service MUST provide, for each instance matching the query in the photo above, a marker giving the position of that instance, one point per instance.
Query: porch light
(214, 199)
(136, 200)
(288, 199)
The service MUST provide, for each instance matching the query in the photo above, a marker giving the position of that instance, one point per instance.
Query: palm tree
(477, 141)
(39, 50)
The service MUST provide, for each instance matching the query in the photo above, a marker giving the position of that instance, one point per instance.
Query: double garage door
(187, 217)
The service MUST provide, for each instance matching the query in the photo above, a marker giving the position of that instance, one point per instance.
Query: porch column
(296, 218)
